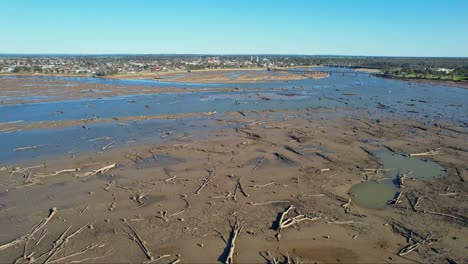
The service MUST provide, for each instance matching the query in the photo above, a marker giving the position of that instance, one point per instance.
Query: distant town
(125, 64)
(455, 69)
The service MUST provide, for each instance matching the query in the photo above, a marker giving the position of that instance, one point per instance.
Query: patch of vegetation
(428, 73)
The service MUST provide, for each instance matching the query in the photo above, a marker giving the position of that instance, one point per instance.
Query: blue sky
(336, 27)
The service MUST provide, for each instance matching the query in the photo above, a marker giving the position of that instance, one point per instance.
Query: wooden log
(31, 234)
(98, 171)
(235, 232)
(428, 153)
(408, 249)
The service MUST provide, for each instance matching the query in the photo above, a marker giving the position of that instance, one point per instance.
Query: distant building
(7, 69)
(445, 70)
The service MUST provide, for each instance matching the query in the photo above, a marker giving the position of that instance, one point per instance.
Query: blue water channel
(379, 97)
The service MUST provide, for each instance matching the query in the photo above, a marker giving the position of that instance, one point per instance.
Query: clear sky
(315, 27)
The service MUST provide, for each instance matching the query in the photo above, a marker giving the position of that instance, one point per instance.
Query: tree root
(242, 188)
(78, 252)
(43, 233)
(133, 235)
(206, 181)
(347, 206)
(184, 197)
(235, 232)
(34, 231)
(62, 241)
(284, 223)
(88, 259)
(259, 163)
(139, 198)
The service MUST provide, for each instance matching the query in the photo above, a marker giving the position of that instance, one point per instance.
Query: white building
(445, 70)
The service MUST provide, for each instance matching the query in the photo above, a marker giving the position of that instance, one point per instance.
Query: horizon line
(221, 54)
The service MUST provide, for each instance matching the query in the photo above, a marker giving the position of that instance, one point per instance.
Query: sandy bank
(220, 76)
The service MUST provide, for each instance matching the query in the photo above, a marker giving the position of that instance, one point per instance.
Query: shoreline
(457, 84)
(199, 77)
(127, 75)
(367, 70)
(152, 75)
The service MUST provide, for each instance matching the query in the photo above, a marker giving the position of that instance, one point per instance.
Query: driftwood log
(32, 233)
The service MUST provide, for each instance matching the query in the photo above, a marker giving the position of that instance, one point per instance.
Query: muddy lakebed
(348, 168)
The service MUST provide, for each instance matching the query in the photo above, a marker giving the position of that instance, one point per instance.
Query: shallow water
(376, 194)
(379, 97)
(311, 150)
(414, 167)
(154, 104)
(76, 140)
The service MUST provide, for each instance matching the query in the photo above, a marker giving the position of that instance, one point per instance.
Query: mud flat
(33, 89)
(36, 89)
(223, 76)
(123, 121)
(367, 70)
(245, 77)
(270, 185)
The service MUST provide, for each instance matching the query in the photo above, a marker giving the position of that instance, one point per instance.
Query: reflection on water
(414, 167)
(376, 194)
